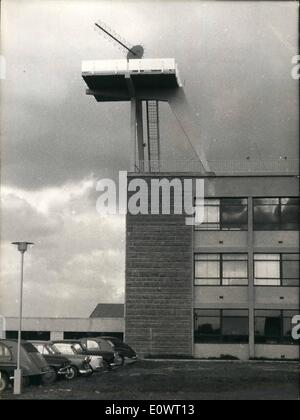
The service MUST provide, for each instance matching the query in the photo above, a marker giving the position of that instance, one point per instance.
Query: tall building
(228, 287)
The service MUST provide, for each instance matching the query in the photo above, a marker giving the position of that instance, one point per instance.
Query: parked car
(68, 347)
(33, 364)
(60, 364)
(105, 343)
(79, 364)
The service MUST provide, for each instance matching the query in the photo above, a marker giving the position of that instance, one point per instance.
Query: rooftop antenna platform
(144, 82)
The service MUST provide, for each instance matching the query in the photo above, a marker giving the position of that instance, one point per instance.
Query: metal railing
(282, 166)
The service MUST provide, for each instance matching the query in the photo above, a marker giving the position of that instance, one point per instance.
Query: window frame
(281, 341)
(281, 279)
(280, 217)
(221, 269)
(220, 223)
(221, 317)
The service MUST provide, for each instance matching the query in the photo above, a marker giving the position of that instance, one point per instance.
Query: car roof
(11, 340)
(40, 342)
(103, 337)
(111, 337)
(66, 341)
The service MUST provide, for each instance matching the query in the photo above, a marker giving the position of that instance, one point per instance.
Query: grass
(179, 380)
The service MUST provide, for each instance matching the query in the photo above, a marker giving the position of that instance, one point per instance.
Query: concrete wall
(212, 239)
(221, 295)
(205, 351)
(276, 351)
(56, 335)
(60, 325)
(279, 239)
(266, 296)
(241, 351)
(255, 186)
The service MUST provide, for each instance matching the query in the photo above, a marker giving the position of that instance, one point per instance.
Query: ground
(178, 380)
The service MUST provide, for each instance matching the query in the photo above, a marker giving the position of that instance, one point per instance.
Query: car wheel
(72, 373)
(4, 381)
(49, 378)
(119, 360)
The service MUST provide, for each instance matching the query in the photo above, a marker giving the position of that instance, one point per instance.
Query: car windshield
(40, 348)
(69, 348)
(78, 348)
(50, 350)
(64, 348)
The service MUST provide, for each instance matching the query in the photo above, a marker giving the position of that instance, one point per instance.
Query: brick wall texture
(159, 285)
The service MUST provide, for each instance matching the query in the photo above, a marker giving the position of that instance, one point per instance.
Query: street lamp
(22, 248)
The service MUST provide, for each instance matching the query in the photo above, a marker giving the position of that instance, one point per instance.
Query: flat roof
(107, 80)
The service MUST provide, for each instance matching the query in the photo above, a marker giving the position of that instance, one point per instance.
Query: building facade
(227, 288)
(106, 319)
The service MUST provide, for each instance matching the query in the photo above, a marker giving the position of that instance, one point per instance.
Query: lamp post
(22, 248)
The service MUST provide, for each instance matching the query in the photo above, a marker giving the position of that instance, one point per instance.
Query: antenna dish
(137, 51)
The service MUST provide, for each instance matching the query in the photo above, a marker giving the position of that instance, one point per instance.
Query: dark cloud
(234, 57)
(78, 256)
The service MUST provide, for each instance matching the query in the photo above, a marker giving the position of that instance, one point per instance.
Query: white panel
(205, 351)
(269, 351)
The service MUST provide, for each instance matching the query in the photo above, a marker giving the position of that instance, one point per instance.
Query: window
(267, 269)
(78, 348)
(207, 269)
(221, 326)
(29, 335)
(221, 269)
(92, 345)
(274, 327)
(64, 348)
(105, 345)
(40, 348)
(224, 214)
(5, 353)
(44, 349)
(276, 213)
(289, 269)
(276, 269)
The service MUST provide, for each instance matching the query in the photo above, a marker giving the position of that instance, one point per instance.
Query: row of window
(68, 335)
(232, 326)
(281, 213)
(226, 269)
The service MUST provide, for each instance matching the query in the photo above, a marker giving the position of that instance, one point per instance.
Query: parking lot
(181, 380)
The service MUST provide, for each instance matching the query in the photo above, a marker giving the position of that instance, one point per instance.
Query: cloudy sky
(235, 60)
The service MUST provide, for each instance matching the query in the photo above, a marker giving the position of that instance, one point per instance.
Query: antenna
(134, 52)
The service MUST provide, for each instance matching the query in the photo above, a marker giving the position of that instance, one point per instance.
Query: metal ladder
(153, 136)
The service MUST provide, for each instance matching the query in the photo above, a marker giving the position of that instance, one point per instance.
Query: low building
(106, 319)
